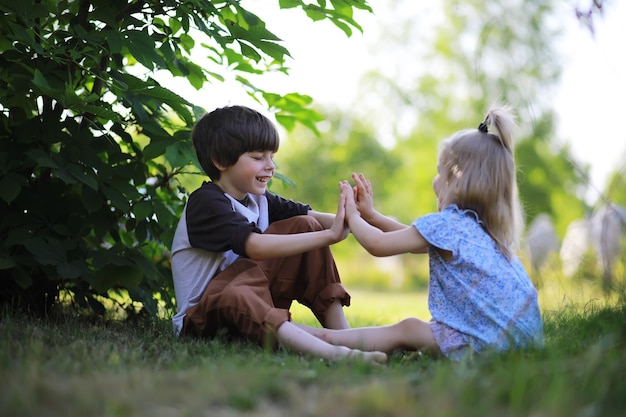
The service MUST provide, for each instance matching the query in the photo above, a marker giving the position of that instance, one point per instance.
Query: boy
(241, 254)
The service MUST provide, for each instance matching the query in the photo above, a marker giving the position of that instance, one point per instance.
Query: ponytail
(503, 122)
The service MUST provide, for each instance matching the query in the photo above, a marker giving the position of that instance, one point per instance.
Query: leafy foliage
(91, 144)
(550, 182)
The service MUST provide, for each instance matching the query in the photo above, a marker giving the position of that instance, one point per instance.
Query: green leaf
(163, 212)
(289, 4)
(6, 263)
(10, 186)
(83, 174)
(114, 40)
(43, 159)
(46, 251)
(116, 198)
(343, 26)
(179, 154)
(141, 231)
(42, 83)
(286, 181)
(249, 51)
(168, 96)
(105, 114)
(142, 209)
(276, 51)
(288, 122)
(154, 149)
(187, 42)
(110, 276)
(175, 25)
(315, 14)
(142, 48)
(196, 76)
(69, 271)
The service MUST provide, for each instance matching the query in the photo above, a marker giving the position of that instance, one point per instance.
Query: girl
(480, 297)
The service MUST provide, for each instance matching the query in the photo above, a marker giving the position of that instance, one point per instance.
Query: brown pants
(252, 298)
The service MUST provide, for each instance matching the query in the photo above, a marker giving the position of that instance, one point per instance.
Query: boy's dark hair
(226, 133)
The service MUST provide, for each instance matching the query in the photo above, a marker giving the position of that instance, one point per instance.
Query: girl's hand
(364, 196)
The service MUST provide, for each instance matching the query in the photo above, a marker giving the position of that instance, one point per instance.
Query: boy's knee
(234, 297)
(308, 223)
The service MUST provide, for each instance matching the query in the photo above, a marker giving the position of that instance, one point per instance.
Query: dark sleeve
(280, 208)
(213, 224)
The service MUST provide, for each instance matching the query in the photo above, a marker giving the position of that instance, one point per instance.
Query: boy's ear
(219, 166)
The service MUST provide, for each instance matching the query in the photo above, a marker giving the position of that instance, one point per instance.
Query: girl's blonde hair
(478, 167)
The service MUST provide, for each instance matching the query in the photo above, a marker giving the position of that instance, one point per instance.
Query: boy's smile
(250, 174)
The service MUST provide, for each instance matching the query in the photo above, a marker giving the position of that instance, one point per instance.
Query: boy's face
(250, 174)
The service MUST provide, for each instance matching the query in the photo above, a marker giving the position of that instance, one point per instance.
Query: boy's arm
(325, 219)
(264, 246)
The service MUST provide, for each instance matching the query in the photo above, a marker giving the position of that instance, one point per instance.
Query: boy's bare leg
(408, 334)
(298, 340)
(335, 317)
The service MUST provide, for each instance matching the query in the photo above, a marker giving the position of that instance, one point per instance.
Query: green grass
(75, 367)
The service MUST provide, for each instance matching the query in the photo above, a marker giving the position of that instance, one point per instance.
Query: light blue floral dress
(479, 300)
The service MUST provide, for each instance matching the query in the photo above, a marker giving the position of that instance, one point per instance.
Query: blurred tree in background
(616, 188)
(438, 69)
(316, 164)
(481, 53)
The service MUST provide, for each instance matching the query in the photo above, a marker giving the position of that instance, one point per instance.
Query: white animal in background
(607, 230)
(574, 246)
(541, 241)
(602, 233)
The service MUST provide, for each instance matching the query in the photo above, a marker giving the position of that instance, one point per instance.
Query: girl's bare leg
(335, 317)
(408, 334)
(298, 340)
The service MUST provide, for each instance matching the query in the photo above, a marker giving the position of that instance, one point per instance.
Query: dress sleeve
(280, 208)
(438, 231)
(213, 224)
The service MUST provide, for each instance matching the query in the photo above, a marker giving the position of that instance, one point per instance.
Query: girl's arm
(264, 246)
(376, 241)
(364, 198)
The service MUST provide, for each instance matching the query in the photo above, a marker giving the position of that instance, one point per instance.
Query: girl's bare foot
(374, 357)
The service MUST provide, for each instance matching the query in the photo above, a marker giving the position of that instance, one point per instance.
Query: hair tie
(483, 127)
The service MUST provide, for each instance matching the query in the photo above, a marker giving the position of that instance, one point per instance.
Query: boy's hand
(364, 196)
(348, 196)
(340, 227)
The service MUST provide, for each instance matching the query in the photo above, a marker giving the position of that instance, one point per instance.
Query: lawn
(78, 367)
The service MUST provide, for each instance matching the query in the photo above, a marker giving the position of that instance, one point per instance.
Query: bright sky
(589, 104)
